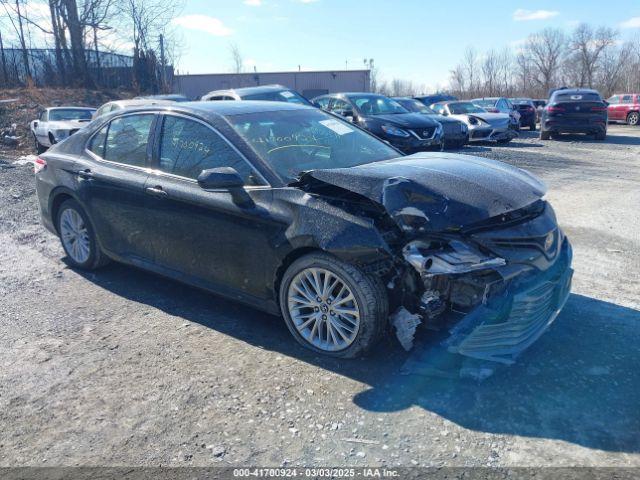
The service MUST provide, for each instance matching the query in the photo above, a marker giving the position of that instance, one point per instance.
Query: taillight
(39, 164)
(598, 109)
(552, 109)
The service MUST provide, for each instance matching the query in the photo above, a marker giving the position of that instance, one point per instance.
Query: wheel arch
(288, 259)
(57, 198)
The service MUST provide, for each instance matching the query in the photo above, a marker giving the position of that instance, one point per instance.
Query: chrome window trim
(217, 132)
(111, 162)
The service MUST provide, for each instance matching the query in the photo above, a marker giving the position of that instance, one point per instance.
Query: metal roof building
(309, 84)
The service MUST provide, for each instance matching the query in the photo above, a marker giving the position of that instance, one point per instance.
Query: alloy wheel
(75, 236)
(323, 309)
(633, 118)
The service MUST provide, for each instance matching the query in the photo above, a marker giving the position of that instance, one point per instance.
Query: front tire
(532, 127)
(601, 135)
(332, 307)
(633, 118)
(77, 237)
(544, 135)
(39, 147)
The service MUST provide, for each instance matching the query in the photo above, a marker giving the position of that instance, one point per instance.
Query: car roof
(70, 107)
(564, 91)
(226, 108)
(487, 98)
(250, 90)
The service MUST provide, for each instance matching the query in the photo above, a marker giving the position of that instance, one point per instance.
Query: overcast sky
(417, 40)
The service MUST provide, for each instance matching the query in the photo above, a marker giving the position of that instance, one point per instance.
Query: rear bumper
(503, 327)
(573, 126)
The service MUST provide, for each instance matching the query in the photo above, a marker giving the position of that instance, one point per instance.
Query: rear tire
(601, 135)
(504, 141)
(544, 135)
(532, 127)
(369, 300)
(78, 238)
(633, 118)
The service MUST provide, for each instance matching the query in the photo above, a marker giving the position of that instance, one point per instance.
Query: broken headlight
(445, 258)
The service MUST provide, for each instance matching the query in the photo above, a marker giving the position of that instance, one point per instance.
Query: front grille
(426, 132)
(532, 311)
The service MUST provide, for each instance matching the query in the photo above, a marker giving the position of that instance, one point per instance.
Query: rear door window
(188, 147)
(127, 139)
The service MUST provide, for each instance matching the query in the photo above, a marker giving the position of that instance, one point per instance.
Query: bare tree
(237, 63)
(588, 45)
(489, 69)
(546, 50)
(470, 66)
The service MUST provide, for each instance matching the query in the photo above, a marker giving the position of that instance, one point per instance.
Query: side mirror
(445, 113)
(222, 177)
(348, 115)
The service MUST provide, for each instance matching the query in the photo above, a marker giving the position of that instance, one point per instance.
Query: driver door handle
(156, 191)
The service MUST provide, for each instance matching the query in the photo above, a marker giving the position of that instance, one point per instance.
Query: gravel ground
(122, 367)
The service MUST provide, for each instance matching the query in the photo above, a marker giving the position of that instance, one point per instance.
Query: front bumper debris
(502, 329)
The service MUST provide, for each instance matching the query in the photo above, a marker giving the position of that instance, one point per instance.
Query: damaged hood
(438, 191)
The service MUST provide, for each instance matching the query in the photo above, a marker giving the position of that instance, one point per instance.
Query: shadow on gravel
(579, 383)
(611, 139)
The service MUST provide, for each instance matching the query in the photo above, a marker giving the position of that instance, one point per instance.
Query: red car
(624, 108)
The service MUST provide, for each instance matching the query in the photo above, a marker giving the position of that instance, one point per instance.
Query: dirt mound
(29, 102)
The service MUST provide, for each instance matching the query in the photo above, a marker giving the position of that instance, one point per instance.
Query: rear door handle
(86, 174)
(156, 191)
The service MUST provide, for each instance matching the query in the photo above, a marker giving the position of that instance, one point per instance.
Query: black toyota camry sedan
(299, 213)
(387, 119)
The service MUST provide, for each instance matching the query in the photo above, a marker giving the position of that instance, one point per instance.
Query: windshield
(416, 106)
(70, 114)
(296, 141)
(374, 105)
(281, 96)
(465, 107)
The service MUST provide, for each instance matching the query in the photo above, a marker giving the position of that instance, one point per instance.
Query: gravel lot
(122, 367)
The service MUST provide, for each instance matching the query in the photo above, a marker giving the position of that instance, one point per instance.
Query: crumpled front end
(497, 286)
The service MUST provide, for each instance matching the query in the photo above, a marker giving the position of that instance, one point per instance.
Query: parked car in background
(539, 103)
(300, 213)
(456, 133)
(174, 97)
(500, 105)
(527, 110)
(270, 93)
(386, 119)
(576, 110)
(435, 98)
(483, 126)
(57, 123)
(624, 107)
(121, 104)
